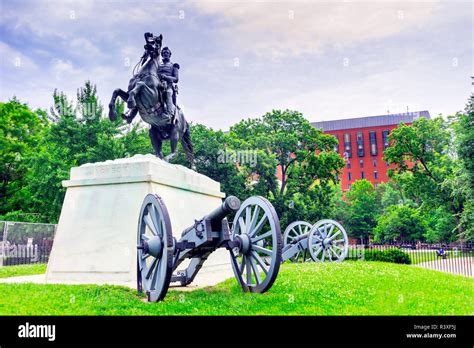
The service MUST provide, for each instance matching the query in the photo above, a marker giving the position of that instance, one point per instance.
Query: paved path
(41, 279)
(456, 265)
(202, 280)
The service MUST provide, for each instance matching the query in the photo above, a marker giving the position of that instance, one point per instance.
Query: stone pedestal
(95, 240)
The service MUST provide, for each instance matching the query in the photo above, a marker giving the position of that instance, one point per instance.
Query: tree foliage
(210, 147)
(287, 142)
(78, 135)
(20, 132)
(427, 168)
(401, 223)
(361, 209)
(464, 185)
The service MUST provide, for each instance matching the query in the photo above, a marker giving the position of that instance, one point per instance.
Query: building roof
(370, 121)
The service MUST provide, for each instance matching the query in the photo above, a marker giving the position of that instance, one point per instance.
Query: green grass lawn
(348, 288)
(22, 270)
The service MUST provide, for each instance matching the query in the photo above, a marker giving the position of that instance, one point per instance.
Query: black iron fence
(25, 243)
(457, 258)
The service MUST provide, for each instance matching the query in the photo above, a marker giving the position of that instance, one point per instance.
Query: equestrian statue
(152, 94)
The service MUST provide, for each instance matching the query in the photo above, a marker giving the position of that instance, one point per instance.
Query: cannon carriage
(254, 244)
(326, 240)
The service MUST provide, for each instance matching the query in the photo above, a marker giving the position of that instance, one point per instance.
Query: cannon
(254, 245)
(326, 240)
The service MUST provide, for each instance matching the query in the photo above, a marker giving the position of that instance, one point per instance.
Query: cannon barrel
(229, 205)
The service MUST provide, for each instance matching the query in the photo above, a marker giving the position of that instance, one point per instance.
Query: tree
(319, 202)
(213, 158)
(77, 136)
(440, 225)
(390, 193)
(464, 130)
(20, 132)
(361, 210)
(400, 223)
(286, 141)
(426, 164)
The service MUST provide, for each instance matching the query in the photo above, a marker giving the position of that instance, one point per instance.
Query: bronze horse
(144, 97)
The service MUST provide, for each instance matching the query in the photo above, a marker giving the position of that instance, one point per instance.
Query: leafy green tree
(20, 132)
(426, 164)
(320, 202)
(439, 223)
(390, 194)
(213, 158)
(288, 143)
(400, 223)
(20, 216)
(464, 185)
(362, 210)
(78, 135)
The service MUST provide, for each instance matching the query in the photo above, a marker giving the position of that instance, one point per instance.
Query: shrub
(397, 256)
(373, 255)
(390, 255)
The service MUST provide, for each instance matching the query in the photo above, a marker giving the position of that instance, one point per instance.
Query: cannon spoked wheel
(155, 249)
(294, 230)
(328, 241)
(257, 259)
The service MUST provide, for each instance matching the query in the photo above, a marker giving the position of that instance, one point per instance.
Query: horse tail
(187, 144)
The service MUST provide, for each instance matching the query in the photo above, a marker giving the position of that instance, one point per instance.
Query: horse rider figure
(168, 75)
(152, 94)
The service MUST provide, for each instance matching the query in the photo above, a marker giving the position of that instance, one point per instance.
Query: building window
(362, 176)
(373, 143)
(385, 139)
(348, 164)
(361, 162)
(336, 147)
(349, 186)
(349, 176)
(360, 144)
(374, 162)
(376, 184)
(376, 175)
(347, 146)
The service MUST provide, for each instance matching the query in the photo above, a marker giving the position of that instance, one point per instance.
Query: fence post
(4, 239)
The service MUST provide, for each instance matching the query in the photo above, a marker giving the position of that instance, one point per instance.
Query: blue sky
(328, 60)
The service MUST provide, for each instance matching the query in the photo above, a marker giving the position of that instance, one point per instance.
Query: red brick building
(362, 142)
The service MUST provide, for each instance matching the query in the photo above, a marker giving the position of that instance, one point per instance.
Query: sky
(240, 59)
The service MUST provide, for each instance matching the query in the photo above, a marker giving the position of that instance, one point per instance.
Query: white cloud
(84, 46)
(70, 19)
(14, 59)
(283, 29)
(412, 87)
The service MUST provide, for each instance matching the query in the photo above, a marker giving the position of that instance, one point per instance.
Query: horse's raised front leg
(156, 141)
(174, 138)
(117, 93)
